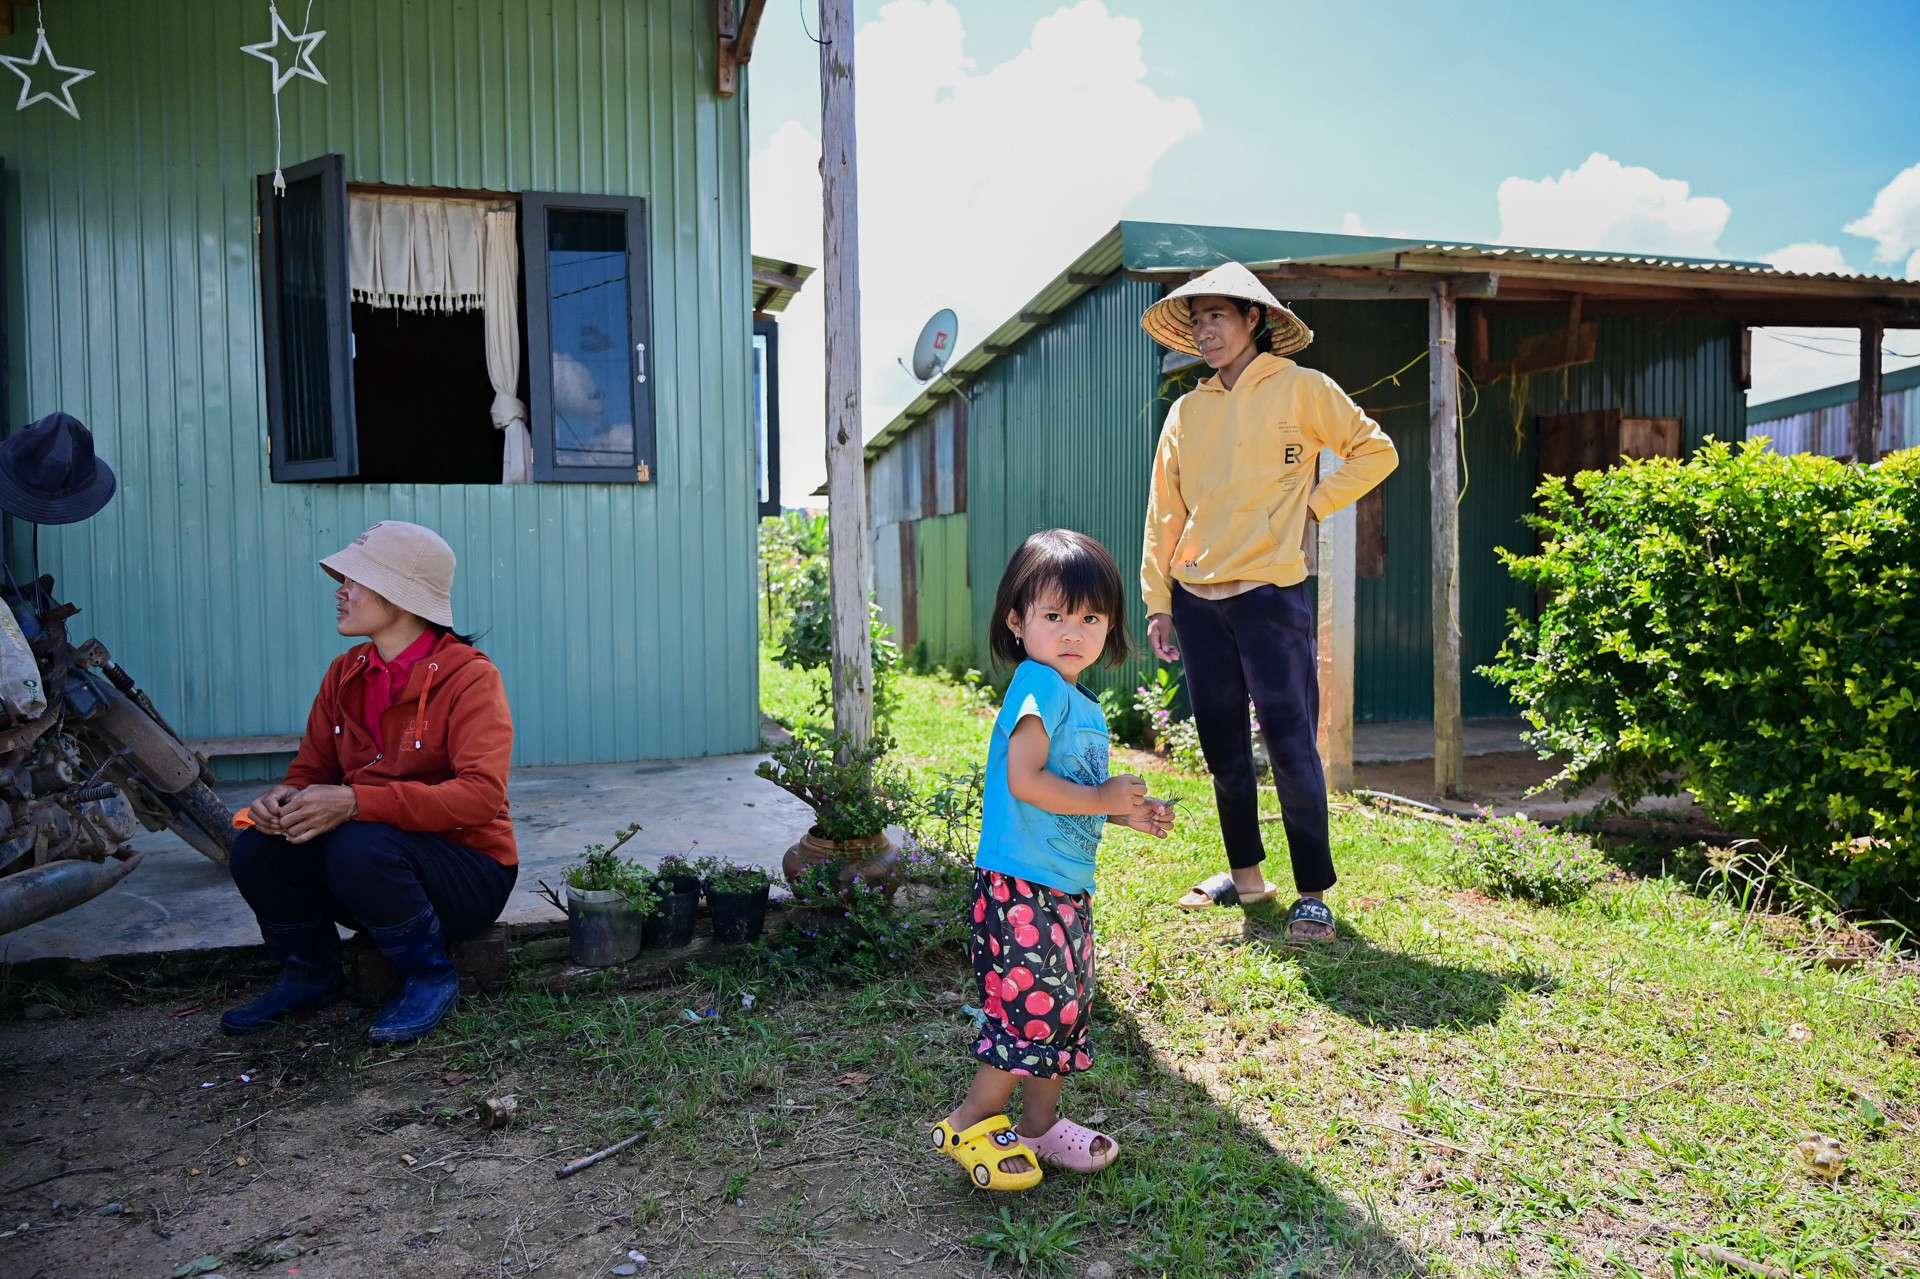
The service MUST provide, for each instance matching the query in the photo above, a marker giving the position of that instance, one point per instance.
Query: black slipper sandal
(1309, 910)
(1218, 890)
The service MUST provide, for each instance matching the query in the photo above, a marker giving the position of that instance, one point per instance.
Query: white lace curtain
(417, 253)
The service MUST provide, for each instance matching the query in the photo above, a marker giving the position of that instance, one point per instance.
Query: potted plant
(676, 905)
(678, 874)
(607, 898)
(737, 900)
(854, 800)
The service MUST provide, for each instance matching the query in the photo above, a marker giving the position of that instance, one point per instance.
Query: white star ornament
(23, 67)
(299, 61)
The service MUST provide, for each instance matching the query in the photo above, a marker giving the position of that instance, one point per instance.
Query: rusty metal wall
(621, 615)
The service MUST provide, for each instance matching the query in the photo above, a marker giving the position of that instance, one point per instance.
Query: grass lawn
(1457, 1086)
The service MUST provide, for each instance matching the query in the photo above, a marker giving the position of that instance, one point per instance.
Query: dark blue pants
(1259, 646)
(370, 875)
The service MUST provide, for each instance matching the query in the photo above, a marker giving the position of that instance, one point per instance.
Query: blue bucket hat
(49, 474)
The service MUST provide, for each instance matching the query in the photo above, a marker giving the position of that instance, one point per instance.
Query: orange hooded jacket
(452, 738)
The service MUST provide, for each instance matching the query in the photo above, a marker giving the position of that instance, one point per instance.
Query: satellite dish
(935, 347)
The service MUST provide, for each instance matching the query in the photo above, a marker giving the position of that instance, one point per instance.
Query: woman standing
(393, 818)
(1224, 567)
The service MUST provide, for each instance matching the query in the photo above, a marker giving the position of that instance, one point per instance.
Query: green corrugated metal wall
(621, 615)
(1062, 431)
(945, 602)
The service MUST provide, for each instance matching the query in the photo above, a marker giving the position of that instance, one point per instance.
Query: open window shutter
(307, 322)
(589, 337)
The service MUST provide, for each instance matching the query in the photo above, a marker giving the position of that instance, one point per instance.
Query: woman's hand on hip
(1160, 636)
(266, 810)
(317, 810)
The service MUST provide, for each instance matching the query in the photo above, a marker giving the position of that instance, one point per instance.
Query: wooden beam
(778, 279)
(1036, 317)
(747, 30)
(1337, 563)
(725, 24)
(1656, 276)
(1086, 277)
(1866, 414)
(1379, 288)
(846, 472)
(1443, 477)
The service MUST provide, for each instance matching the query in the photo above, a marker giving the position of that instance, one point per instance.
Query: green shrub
(799, 605)
(1747, 626)
(852, 794)
(1515, 857)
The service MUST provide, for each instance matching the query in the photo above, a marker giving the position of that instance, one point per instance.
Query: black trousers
(1259, 646)
(370, 875)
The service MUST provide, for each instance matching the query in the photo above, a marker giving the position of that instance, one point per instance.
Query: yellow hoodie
(1233, 478)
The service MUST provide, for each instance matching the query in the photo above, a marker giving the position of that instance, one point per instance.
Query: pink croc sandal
(1068, 1145)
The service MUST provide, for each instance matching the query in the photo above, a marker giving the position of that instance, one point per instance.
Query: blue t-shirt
(1017, 838)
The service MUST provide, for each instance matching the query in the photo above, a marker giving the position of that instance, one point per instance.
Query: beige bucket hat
(1170, 320)
(409, 565)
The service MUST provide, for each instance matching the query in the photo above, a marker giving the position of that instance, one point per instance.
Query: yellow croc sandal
(980, 1149)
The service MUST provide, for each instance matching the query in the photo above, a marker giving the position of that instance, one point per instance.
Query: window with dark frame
(356, 392)
(766, 413)
(583, 260)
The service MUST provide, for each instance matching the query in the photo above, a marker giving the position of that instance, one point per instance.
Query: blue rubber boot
(430, 984)
(309, 977)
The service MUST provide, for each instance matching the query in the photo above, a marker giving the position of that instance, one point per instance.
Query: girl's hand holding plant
(1155, 818)
(1124, 795)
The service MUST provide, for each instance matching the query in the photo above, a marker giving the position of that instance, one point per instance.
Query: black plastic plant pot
(671, 924)
(738, 918)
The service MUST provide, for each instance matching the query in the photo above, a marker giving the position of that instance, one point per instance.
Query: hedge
(1747, 626)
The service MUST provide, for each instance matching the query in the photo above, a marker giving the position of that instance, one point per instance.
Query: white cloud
(1350, 224)
(976, 188)
(1809, 256)
(1604, 204)
(1894, 221)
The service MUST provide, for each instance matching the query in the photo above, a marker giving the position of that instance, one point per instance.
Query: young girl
(1048, 796)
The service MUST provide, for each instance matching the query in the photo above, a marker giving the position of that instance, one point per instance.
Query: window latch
(640, 361)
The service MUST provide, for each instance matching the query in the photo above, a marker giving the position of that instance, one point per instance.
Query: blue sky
(999, 138)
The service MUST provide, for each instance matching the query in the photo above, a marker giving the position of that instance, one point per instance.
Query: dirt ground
(141, 1140)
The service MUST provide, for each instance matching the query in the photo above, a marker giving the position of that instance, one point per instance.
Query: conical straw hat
(1170, 320)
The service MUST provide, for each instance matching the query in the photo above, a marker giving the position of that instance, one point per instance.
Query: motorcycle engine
(47, 818)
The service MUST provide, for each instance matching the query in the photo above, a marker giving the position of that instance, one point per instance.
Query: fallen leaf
(1798, 1032)
(193, 1172)
(241, 1162)
(1821, 1157)
(408, 1160)
(853, 1079)
(456, 1077)
(1097, 1118)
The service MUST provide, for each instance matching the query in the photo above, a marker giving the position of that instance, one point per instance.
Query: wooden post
(1866, 414)
(846, 471)
(1443, 401)
(1337, 561)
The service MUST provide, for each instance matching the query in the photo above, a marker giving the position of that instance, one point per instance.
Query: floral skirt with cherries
(1033, 955)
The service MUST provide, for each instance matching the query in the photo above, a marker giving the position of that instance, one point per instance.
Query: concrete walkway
(179, 901)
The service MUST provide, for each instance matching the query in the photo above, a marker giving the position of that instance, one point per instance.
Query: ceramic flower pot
(603, 927)
(875, 860)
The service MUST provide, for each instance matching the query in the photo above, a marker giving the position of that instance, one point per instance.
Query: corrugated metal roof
(1176, 249)
(1828, 397)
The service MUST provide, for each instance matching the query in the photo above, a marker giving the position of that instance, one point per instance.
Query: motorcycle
(85, 760)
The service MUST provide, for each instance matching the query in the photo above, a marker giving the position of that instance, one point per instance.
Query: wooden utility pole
(1336, 565)
(1866, 414)
(1443, 473)
(846, 469)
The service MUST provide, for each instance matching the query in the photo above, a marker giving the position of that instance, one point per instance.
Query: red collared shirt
(385, 681)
